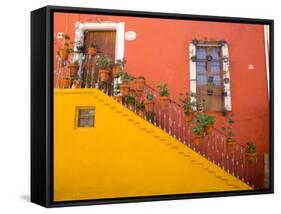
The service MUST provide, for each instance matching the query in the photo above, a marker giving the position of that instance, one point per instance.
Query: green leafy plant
(150, 116)
(120, 62)
(103, 62)
(140, 106)
(76, 62)
(197, 129)
(124, 76)
(188, 101)
(130, 100)
(149, 97)
(251, 147)
(228, 129)
(205, 119)
(163, 89)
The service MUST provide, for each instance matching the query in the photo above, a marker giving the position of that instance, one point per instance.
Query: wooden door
(105, 42)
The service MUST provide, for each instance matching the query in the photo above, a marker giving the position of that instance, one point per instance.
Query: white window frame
(226, 73)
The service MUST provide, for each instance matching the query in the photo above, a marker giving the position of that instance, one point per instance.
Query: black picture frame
(42, 104)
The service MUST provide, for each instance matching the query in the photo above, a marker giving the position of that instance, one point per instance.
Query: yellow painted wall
(123, 155)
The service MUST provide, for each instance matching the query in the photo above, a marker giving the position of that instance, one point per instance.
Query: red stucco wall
(160, 53)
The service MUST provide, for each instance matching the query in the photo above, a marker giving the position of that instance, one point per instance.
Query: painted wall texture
(116, 158)
(160, 53)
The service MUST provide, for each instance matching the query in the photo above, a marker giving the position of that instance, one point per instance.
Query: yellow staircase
(123, 155)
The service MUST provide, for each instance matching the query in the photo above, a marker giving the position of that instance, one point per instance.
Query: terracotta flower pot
(231, 145)
(188, 116)
(66, 83)
(124, 89)
(115, 69)
(131, 106)
(209, 128)
(251, 157)
(164, 101)
(149, 106)
(73, 69)
(76, 84)
(139, 84)
(104, 74)
(92, 51)
(141, 113)
(63, 52)
(197, 139)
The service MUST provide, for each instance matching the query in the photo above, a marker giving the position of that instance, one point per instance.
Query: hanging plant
(164, 93)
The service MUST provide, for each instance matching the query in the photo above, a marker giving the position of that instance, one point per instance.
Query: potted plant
(206, 121)
(150, 116)
(73, 68)
(149, 103)
(188, 104)
(163, 91)
(118, 66)
(139, 83)
(140, 109)
(228, 132)
(66, 82)
(251, 152)
(197, 134)
(124, 87)
(130, 102)
(64, 49)
(76, 83)
(104, 64)
(92, 50)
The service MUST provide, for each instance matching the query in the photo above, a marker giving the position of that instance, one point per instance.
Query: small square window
(86, 117)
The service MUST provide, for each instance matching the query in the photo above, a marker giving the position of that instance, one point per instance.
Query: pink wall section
(160, 53)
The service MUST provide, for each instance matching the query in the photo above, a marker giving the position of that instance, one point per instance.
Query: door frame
(119, 27)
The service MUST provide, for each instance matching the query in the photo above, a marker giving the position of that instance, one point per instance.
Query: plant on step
(118, 65)
(92, 50)
(197, 134)
(251, 152)
(140, 108)
(139, 83)
(164, 93)
(73, 68)
(149, 103)
(150, 116)
(228, 132)
(130, 102)
(206, 121)
(76, 83)
(189, 104)
(104, 65)
(125, 78)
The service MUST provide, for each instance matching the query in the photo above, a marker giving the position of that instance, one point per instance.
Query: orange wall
(160, 53)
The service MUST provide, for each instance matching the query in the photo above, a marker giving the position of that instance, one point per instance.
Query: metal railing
(171, 119)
